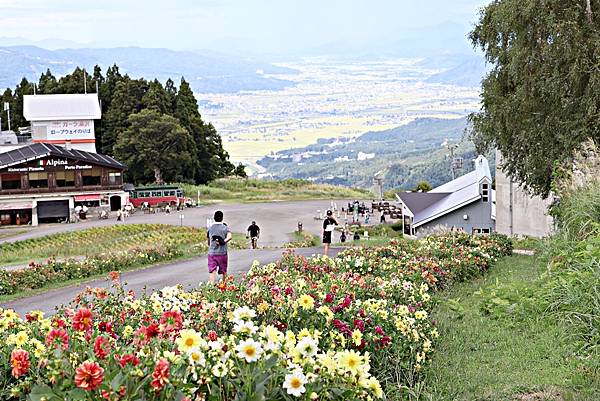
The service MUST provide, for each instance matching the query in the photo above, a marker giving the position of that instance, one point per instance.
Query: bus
(156, 195)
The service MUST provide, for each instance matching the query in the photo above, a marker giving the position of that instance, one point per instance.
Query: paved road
(276, 219)
(189, 273)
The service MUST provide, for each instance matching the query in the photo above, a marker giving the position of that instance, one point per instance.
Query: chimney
(68, 145)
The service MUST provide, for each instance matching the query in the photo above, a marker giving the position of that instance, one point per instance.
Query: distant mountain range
(209, 72)
(468, 72)
(405, 155)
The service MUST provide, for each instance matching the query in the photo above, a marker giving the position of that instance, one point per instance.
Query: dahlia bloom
(89, 376)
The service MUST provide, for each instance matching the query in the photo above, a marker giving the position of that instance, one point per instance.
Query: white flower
(196, 357)
(242, 314)
(249, 350)
(219, 369)
(307, 347)
(294, 383)
(245, 327)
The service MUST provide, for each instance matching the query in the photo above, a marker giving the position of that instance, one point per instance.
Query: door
(53, 210)
(115, 203)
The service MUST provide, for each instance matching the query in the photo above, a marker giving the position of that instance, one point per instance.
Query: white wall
(529, 215)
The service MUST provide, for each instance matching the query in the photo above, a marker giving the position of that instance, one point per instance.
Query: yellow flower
(328, 362)
(40, 348)
(325, 311)
(420, 314)
(188, 340)
(21, 338)
(373, 385)
(306, 302)
(262, 307)
(303, 333)
(350, 361)
(127, 331)
(357, 337)
(10, 315)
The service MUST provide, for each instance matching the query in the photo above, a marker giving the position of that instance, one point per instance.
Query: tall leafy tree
(541, 100)
(156, 148)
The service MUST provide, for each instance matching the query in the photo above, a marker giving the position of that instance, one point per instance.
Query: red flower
(101, 347)
(58, 337)
(171, 321)
(114, 275)
(329, 298)
(140, 337)
(212, 335)
(89, 376)
(160, 376)
(82, 320)
(19, 360)
(127, 358)
(105, 327)
(152, 330)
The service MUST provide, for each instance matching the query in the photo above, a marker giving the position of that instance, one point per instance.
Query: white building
(64, 119)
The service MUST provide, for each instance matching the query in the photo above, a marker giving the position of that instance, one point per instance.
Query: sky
(252, 26)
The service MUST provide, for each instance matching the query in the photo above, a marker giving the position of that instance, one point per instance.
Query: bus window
(179, 193)
(157, 194)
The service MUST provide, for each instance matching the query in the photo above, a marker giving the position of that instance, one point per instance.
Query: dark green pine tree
(47, 84)
(157, 98)
(171, 90)
(74, 82)
(212, 160)
(123, 103)
(16, 108)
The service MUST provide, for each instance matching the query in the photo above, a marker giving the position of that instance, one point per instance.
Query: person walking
(218, 236)
(328, 226)
(253, 234)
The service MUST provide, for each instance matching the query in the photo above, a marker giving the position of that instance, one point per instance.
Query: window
(115, 179)
(171, 193)
(11, 181)
(65, 179)
(38, 180)
(157, 194)
(485, 192)
(91, 177)
(179, 193)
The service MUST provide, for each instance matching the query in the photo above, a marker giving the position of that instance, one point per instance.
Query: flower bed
(345, 328)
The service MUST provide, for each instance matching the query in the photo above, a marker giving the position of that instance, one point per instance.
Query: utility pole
(7, 110)
(451, 148)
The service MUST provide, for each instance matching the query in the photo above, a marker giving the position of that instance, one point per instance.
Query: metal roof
(39, 150)
(61, 107)
(418, 201)
(462, 191)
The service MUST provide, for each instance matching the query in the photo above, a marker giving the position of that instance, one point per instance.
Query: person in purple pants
(218, 236)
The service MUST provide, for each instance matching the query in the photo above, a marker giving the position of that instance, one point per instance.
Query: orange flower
(82, 320)
(160, 376)
(89, 376)
(19, 360)
(114, 275)
(171, 321)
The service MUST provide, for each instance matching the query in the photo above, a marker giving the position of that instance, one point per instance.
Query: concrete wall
(528, 214)
(479, 216)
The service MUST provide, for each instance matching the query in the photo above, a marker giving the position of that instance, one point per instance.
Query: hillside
(468, 73)
(407, 154)
(207, 72)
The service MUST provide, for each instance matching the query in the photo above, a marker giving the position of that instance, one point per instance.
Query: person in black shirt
(328, 226)
(253, 233)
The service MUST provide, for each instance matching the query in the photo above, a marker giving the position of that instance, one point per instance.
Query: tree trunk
(158, 176)
(588, 10)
